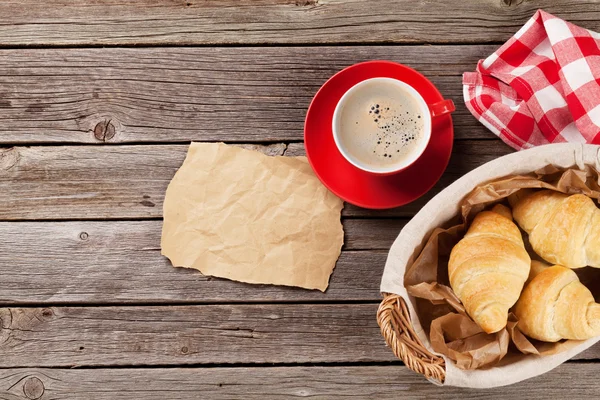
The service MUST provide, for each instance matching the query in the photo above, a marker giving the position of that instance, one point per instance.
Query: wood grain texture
(202, 334)
(366, 382)
(119, 262)
(207, 334)
(205, 94)
(129, 181)
(117, 22)
(81, 180)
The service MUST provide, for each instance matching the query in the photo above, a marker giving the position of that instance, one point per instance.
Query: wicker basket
(401, 327)
(394, 321)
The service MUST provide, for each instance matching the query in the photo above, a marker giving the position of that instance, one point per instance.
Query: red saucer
(352, 184)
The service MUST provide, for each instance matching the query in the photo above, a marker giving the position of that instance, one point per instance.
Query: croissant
(562, 229)
(488, 268)
(536, 268)
(555, 306)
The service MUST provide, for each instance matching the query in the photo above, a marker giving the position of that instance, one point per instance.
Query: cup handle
(441, 108)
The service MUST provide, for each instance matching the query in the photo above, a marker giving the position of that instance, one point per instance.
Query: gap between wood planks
(241, 46)
(183, 303)
(241, 365)
(185, 143)
(399, 363)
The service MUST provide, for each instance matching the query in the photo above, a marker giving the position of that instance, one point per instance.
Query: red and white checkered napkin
(542, 86)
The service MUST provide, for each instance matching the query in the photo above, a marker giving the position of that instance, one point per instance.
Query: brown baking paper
(454, 334)
(242, 215)
(418, 269)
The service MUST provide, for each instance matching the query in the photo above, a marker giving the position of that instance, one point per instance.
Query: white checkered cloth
(540, 87)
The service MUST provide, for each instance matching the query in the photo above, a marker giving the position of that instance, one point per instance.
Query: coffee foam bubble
(381, 125)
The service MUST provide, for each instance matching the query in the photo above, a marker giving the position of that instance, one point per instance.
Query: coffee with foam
(380, 125)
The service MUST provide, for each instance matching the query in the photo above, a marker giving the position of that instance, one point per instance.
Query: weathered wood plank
(371, 234)
(119, 261)
(98, 182)
(88, 181)
(572, 381)
(273, 21)
(203, 334)
(203, 94)
(150, 335)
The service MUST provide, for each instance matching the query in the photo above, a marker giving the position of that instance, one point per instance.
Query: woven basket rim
(394, 321)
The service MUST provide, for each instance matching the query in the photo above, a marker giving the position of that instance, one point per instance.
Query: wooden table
(98, 102)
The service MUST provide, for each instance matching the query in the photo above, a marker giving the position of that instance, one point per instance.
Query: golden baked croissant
(488, 268)
(562, 229)
(555, 306)
(536, 268)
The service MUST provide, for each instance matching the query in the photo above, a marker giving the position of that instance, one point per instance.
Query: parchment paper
(419, 257)
(453, 333)
(242, 215)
